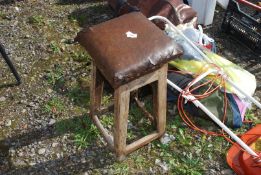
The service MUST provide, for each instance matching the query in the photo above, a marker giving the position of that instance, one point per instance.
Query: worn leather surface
(175, 10)
(121, 59)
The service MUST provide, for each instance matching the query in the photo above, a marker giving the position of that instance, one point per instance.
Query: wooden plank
(161, 100)
(142, 81)
(121, 111)
(108, 138)
(96, 89)
(141, 142)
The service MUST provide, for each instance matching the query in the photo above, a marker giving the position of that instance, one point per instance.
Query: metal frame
(10, 64)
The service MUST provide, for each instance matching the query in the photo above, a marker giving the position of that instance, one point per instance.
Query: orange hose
(207, 93)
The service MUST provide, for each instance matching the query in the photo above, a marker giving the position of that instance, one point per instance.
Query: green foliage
(36, 20)
(139, 161)
(180, 163)
(54, 105)
(130, 135)
(184, 138)
(107, 120)
(121, 168)
(54, 47)
(79, 17)
(81, 57)
(188, 165)
(137, 118)
(2, 15)
(251, 116)
(84, 132)
(55, 77)
(79, 96)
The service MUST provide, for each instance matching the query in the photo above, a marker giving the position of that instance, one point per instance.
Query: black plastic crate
(244, 26)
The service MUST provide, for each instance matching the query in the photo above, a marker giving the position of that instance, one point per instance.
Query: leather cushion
(121, 59)
(175, 10)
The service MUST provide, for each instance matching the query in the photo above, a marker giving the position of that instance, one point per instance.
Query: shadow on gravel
(66, 165)
(66, 2)
(8, 85)
(7, 2)
(91, 15)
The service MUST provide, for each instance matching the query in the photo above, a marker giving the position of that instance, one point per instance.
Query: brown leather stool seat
(121, 59)
(128, 63)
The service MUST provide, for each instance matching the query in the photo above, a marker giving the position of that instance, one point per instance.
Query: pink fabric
(242, 106)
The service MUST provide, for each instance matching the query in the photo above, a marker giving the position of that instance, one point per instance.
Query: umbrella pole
(214, 118)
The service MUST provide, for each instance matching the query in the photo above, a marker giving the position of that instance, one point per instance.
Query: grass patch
(121, 168)
(36, 20)
(54, 105)
(251, 116)
(55, 77)
(138, 120)
(106, 100)
(79, 96)
(107, 120)
(81, 57)
(2, 15)
(79, 17)
(190, 151)
(83, 131)
(89, 15)
(140, 161)
(54, 47)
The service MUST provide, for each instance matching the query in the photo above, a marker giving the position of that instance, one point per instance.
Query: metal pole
(10, 64)
(214, 118)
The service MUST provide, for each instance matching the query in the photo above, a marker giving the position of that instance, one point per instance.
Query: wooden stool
(128, 64)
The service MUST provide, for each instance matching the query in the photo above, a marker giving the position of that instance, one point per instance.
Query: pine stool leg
(160, 100)
(121, 111)
(96, 89)
(96, 92)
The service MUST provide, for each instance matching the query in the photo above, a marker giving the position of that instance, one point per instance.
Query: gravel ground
(38, 37)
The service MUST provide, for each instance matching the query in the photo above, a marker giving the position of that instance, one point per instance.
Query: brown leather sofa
(175, 10)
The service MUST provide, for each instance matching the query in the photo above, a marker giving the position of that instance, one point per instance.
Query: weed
(86, 16)
(164, 151)
(2, 15)
(135, 114)
(36, 20)
(251, 116)
(130, 135)
(188, 165)
(54, 76)
(139, 161)
(54, 47)
(184, 138)
(80, 17)
(106, 99)
(79, 97)
(82, 129)
(81, 57)
(107, 120)
(54, 105)
(121, 168)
